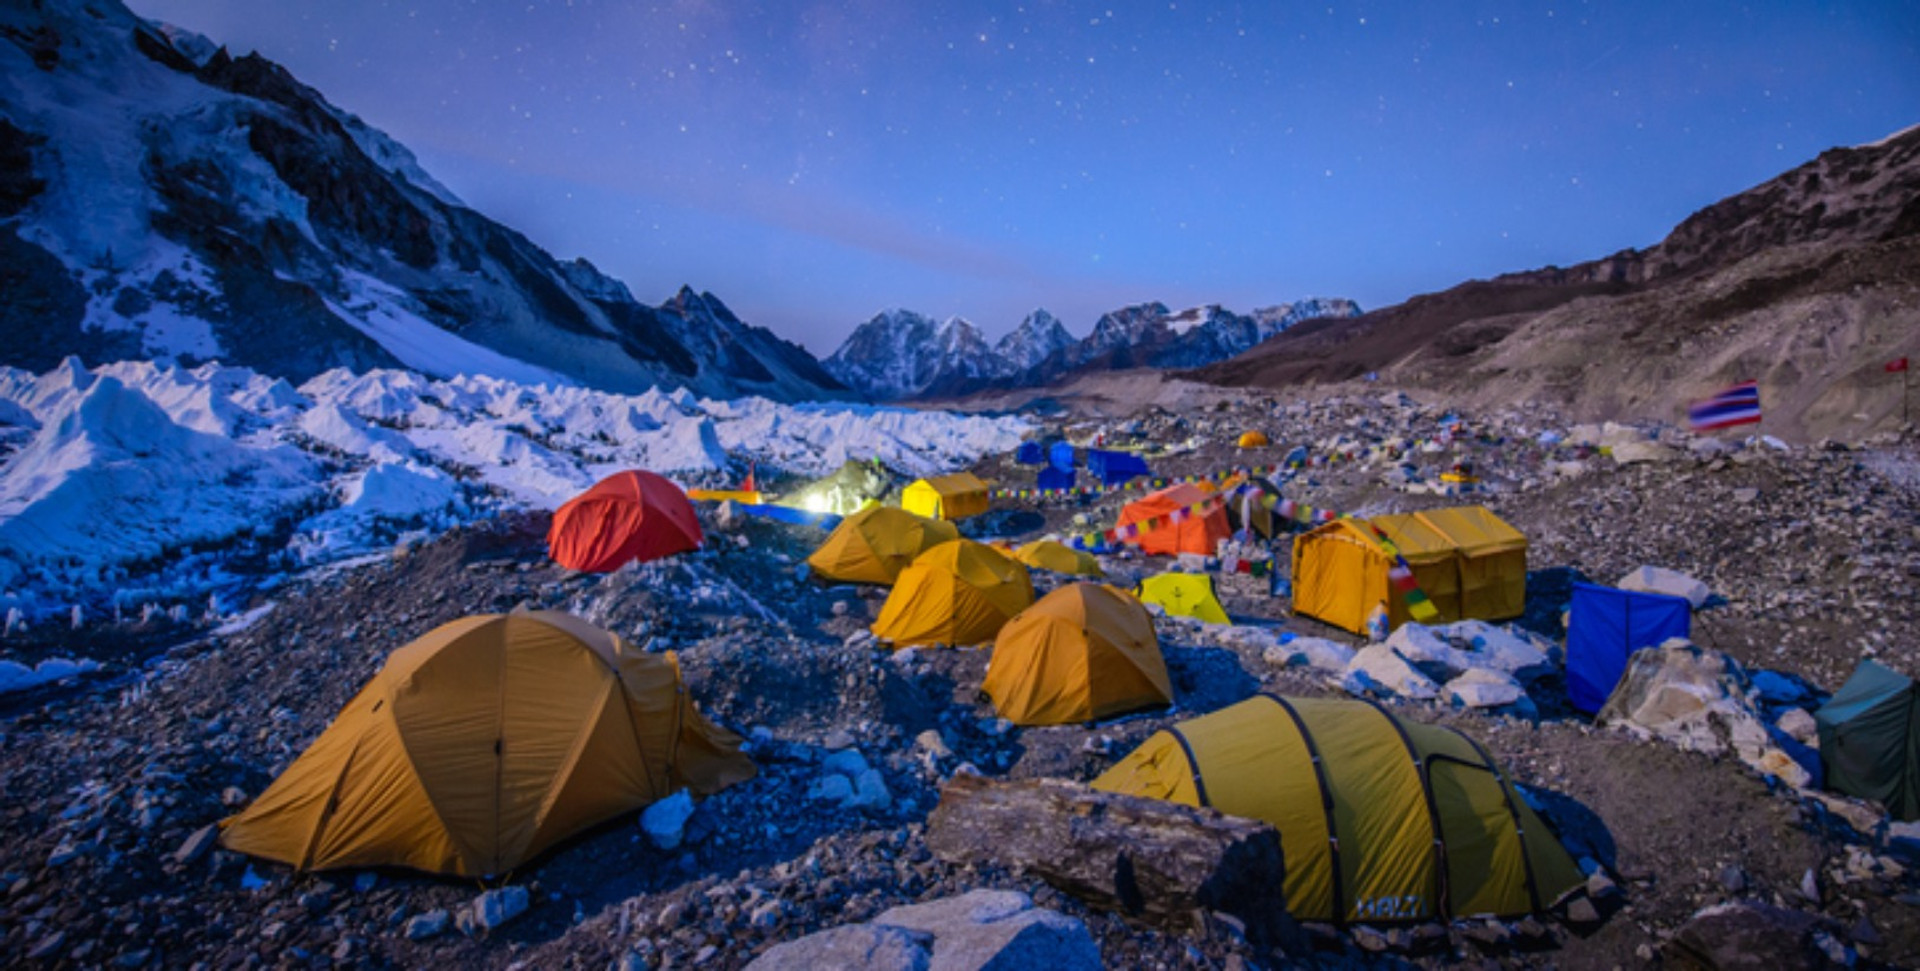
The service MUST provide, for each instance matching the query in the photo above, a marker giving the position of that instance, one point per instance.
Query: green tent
(1870, 739)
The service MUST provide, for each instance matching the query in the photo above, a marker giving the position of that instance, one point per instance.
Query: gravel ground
(1813, 551)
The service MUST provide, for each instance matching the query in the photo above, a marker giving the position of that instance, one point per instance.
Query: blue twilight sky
(813, 163)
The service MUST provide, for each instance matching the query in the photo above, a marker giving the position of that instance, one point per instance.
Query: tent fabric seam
(1326, 803)
(1444, 904)
(1519, 828)
(1193, 764)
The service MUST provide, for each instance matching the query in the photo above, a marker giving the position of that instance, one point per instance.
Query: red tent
(626, 516)
(1196, 534)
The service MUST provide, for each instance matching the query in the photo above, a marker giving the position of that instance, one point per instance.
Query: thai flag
(1738, 405)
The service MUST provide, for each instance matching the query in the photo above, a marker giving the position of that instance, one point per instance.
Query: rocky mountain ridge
(1808, 283)
(162, 198)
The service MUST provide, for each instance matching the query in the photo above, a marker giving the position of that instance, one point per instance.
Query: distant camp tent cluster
(490, 739)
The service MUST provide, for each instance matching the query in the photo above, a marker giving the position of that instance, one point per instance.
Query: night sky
(815, 163)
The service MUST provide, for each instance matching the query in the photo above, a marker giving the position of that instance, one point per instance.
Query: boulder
(1747, 934)
(1378, 664)
(1499, 648)
(496, 907)
(997, 929)
(1696, 699)
(857, 947)
(1483, 688)
(1146, 858)
(665, 822)
(1657, 579)
(1421, 645)
(1631, 453)
(433, 923)
(1322, 654)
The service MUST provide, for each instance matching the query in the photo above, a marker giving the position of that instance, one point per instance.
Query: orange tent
(1083, 652)
(1196, 534)
(483, 743)
(633, 515)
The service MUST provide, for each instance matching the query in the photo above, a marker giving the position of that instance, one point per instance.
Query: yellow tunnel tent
(1047, 554)
(1084, 652)
(956, 593)
(1183, 595)
(955, 496)
(1381, 819)
(875, 544)
(1466, 560)
(484, 742)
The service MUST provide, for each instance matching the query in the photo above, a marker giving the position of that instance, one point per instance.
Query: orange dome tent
(633, 515)
(960, 592)
(1084, 652)
(484, 742)
(1196, 534)
(1253, 439)
(874, 545)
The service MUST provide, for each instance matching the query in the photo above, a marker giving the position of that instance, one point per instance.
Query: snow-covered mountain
(900, 354)
(1038, 337)
(160, 198)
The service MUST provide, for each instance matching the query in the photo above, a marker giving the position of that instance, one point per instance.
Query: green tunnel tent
(1381, 819)
(1870, 739)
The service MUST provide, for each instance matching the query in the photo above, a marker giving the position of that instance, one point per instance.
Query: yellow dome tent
(1253, 439)
(955, 496)
(483, 743)
(1052, 555)
(1083, 652)
(1184, 595)
(1466, 560)
(956, 593)
(1381, 819)
(875, 544)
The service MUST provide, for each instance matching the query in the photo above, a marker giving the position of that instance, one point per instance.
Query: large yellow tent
(1083, 652)
(1184, 595)
(1466, 560)
(483, 743)
(956, 593)
(1053, 555)
(1381, 819)
(875, 544)
(955, 496)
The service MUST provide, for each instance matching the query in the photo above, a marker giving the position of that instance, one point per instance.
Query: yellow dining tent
(1381, 819)
(955, 496)
(875, 544)
(956, 593)
(484, 742)
(1466, 560)
(1085, 651)
(1184, 595)
(1053, 555)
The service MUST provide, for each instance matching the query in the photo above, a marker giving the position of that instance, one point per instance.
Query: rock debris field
(1698, 848)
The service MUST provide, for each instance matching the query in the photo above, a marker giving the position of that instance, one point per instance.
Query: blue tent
(1114, 468)
(1052, 478)
(1060, 456)
(1030, 453)
(1604, 626)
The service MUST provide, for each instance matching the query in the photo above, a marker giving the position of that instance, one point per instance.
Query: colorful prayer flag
(1898, 364)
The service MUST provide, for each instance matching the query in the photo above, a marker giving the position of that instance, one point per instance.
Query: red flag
(1897, 365)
